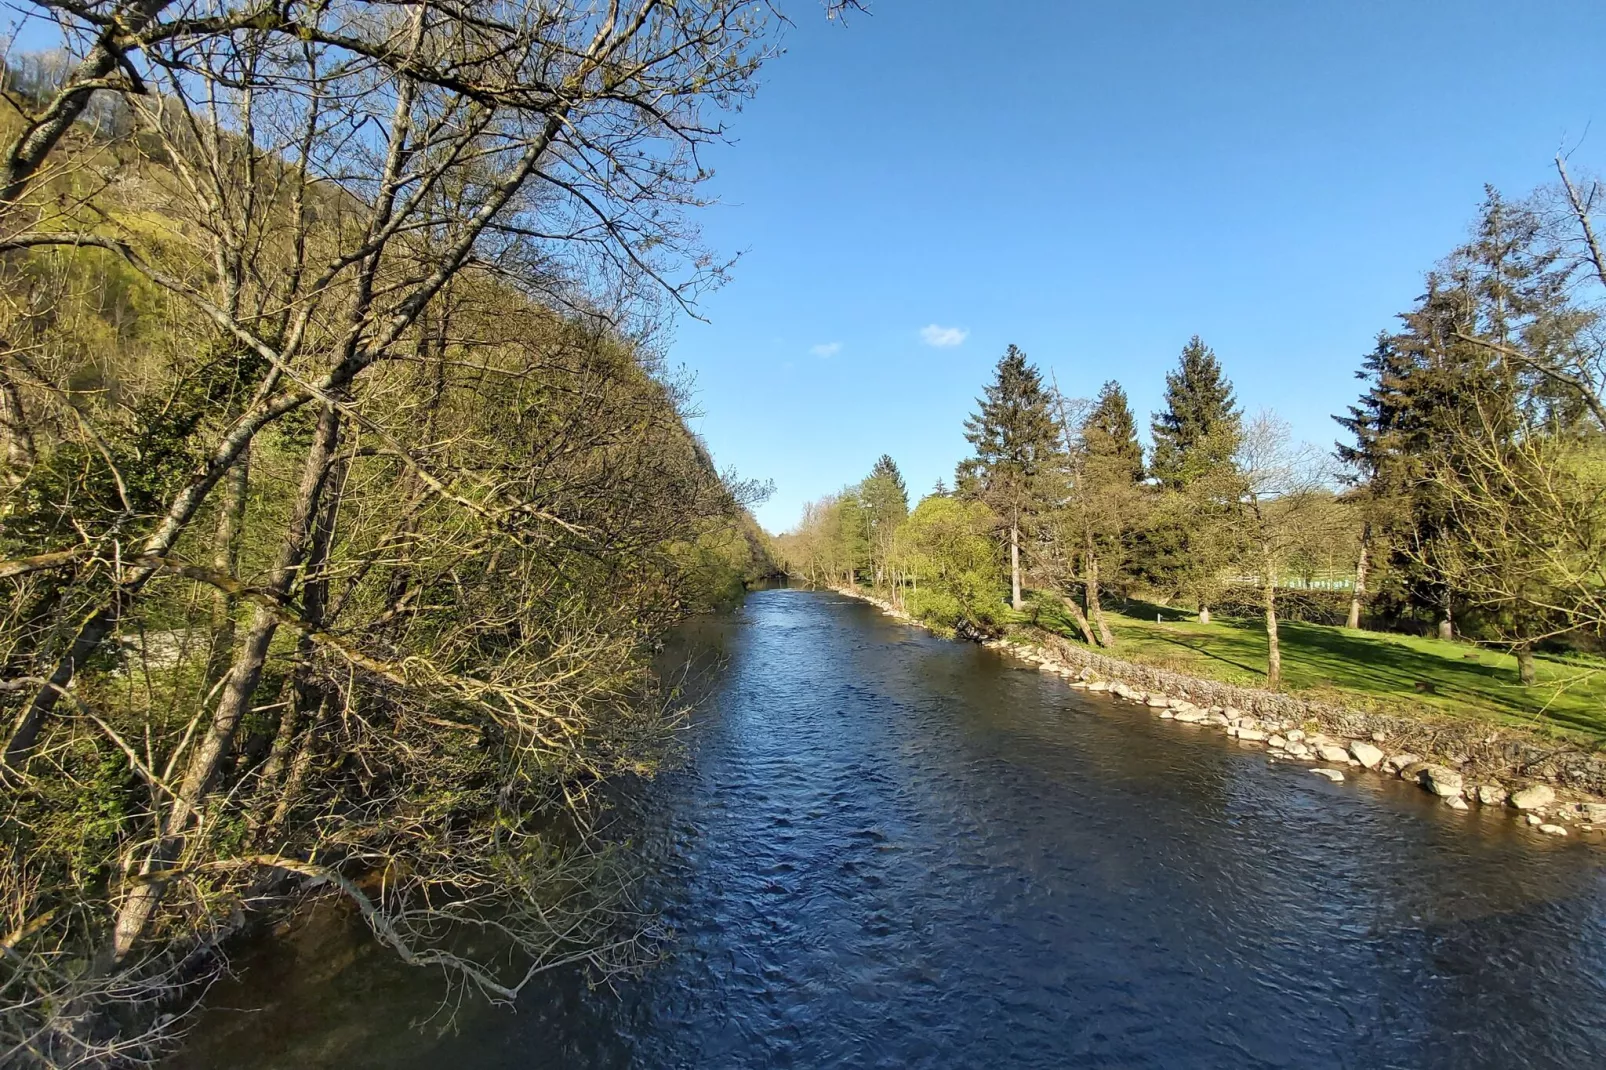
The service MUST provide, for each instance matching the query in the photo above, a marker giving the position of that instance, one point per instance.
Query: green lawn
(1365, 669)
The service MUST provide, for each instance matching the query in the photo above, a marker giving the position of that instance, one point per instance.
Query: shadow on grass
(1394, 670)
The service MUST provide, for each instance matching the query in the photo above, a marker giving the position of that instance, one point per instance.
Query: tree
(1282, 502)
(1111, 434)
(1196, 433)
(886, 503)
(946, 548)
(1016, 443)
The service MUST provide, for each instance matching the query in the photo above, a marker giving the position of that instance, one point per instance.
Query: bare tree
(1283, 490)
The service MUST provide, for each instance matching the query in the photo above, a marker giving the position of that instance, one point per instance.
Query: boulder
(1296, 735)
(1277, 742)
(1552, 830)
(1456, 802)
(1298, 749)
(1379, 736)
(1335, 775)
(1440, 780)
(1098, 685)
(1251, 735)
(1158, 701)
(1533, 797)
(1167, 715)
(1331, 752)
(1192, 715)
(1217, 719)
(1491, 794)
(1231, 712)
(1398, 763)
(1534, 819)
(1366, 754)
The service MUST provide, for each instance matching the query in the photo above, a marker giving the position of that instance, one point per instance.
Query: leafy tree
(946, 549)
(1017, 453)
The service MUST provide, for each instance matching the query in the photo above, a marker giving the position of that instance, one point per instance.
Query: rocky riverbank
(1555, 788)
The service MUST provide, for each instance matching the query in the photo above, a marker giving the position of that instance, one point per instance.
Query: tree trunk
(1525, 663)
(1274, 653)
(236, 698)
(1094, 609)
(21, 454)
(1014, 564)
(1358, 595)
(226, 559)
(1080, 618)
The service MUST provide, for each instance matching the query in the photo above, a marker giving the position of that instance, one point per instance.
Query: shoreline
(1556, 789)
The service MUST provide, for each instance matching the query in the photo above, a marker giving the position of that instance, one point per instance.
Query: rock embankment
(1554, 788)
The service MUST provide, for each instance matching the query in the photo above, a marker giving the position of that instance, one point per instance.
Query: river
(889, 850)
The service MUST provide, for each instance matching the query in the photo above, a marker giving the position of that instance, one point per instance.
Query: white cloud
(826, 349)
(943, 337)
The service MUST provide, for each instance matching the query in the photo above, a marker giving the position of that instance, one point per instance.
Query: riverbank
(1556, 788)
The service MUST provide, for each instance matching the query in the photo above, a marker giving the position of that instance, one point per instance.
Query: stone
(1533, 797)
(1192, 715)
(1329, 752)
(1298, 749)
(1098, 685)
(1251, 735)
(1535, 819)
(1491, 794)
(1335, 775)
(1593, 812)
(1296, 735)
(1398, 763)
(1552, 830)
(1379, 736)
(1277, 742)
(1440, 780)
(1217, 719)
(1231, 712)
(1456, 802)
(1366, 754)
(1158, 701)
(1167, 715)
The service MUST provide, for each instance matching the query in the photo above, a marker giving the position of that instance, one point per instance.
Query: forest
(344, 495)
(1466, 498)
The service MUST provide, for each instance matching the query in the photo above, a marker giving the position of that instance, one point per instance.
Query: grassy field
(1365, 669)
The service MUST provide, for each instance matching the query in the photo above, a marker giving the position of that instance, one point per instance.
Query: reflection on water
(890, 850)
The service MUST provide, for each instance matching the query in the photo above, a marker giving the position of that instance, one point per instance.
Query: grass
(1369, 670)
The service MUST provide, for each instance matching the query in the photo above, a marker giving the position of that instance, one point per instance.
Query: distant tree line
(1468, 496)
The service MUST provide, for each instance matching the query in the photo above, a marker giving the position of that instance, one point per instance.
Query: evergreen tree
(1111, 434)
(886, 503)
(1017, 452)
(1197, 431)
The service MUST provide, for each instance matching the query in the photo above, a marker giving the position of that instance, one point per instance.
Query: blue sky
(1096, 183)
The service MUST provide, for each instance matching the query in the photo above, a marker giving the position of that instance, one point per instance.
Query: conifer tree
(1017, 452)
(1111, 434)
(886, 503)
(1198, 430)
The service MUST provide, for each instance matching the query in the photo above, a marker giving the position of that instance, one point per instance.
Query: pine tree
(1111, 433)
(886, 503)
(1017, 452)
(1198, 429)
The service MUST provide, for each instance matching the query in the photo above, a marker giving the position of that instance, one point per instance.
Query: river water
(888, 850)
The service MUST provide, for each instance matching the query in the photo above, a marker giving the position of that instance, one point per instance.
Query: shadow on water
(888, 850)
